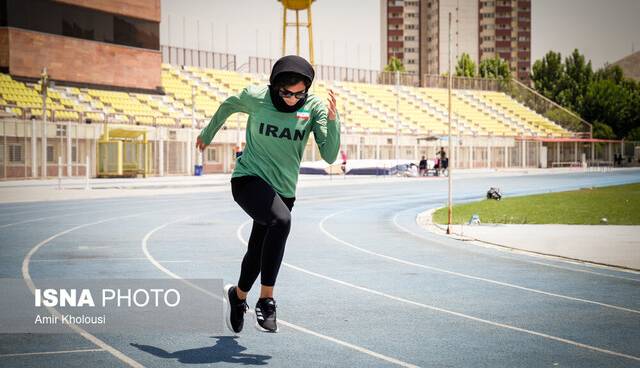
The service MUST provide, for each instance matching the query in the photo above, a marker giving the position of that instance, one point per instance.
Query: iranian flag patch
(304, 115)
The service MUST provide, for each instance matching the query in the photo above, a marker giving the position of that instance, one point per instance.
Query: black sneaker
(266, 315)
(234, 309)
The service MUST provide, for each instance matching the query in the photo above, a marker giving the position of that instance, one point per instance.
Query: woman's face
(295, 88)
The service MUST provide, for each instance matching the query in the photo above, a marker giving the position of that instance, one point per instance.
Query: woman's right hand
(200, 144)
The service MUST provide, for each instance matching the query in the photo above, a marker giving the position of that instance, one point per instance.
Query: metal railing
(199, 58)
(521, 93)
(96, 116)
(478, 84)
(547, 108)
(259, 65)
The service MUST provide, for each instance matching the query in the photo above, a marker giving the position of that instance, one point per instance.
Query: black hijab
(283, 69)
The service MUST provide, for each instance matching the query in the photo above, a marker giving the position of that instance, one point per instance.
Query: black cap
(292, 64)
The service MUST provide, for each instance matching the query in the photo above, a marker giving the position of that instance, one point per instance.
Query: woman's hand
(331, 108)
(200, 144)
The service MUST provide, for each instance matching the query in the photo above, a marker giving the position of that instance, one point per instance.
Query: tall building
(505, 30)
(401, 33)
(416, 32)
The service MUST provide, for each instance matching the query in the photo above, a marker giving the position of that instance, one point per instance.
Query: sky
(347, 32)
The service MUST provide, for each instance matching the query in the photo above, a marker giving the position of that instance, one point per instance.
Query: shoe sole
(227, 307)
(262, 329)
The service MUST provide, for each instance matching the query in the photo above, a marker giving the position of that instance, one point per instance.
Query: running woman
(282, 115)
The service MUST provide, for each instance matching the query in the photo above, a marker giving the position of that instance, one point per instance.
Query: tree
(466, 67)
(608, 103)
(577, 77)
(494, 68)
(546, 75)
(605, 97)
(602, 131)
(634, 135)
(395, 65)
(611, 72)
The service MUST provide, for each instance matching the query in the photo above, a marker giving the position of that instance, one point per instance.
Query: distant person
(343, 166)
(238, 152)
(443, 161)
(422, 166)
(282, 116)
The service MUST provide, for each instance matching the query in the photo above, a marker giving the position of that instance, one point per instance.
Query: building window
(74, 154)
(16, 153)
(50, 154)
(212, 154)
(61, 130)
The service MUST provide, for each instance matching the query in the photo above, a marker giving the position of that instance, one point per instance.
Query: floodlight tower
(297, 6)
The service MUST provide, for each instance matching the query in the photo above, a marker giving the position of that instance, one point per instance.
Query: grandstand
(367, 108)
(491, 128)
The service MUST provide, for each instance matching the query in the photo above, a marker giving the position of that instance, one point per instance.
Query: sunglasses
(286, 94)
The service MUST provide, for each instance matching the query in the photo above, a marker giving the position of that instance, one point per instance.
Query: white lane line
(437, 309)
(50, 352)
(117, 259)
(360, 349)
(48, 217)
(79, 330)
(436, 240)
(495, 282)
(74, 214)
(43, 205)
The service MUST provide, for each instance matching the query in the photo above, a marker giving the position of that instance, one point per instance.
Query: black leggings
(271, 214)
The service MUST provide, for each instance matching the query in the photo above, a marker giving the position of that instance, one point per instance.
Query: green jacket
(276, 140)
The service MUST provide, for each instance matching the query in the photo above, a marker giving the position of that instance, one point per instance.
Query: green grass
(620, 205)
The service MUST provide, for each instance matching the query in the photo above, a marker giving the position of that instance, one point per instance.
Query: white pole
(160, 151)
(193, 125)
(87, 173)
(238, 130)
(34, 148)
(69, 150)
(450, 215)
(59, 172)
(397, 116)
(44, 123)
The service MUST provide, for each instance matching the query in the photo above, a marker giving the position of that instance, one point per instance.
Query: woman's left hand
(331, 108)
